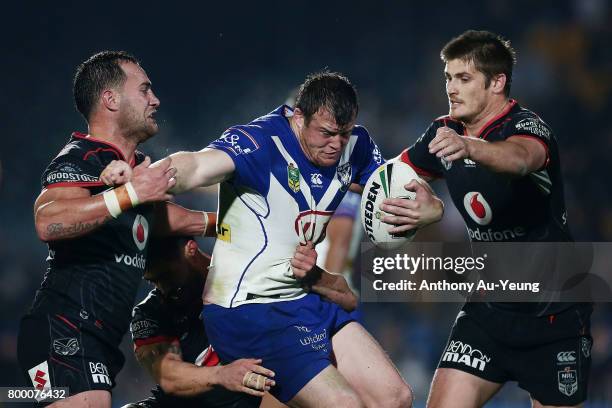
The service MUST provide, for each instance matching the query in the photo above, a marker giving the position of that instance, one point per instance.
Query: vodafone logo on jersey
(140, 231)
(478, 208)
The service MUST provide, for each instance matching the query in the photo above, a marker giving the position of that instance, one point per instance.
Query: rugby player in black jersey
(501, 165)
(97, 237)
(170, 341)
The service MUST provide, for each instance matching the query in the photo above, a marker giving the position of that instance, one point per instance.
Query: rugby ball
(387, 181)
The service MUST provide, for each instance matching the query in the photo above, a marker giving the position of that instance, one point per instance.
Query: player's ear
(110, 99)
(191, 248)
(298, 117)
(498, 83)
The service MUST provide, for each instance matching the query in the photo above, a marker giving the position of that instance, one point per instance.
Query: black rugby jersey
(499, 207)
(496, 206)
(95, 277)
(176, 319)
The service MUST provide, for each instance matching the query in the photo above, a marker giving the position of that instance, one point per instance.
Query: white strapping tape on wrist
(205, 216)
(112, 203)
(132, 193)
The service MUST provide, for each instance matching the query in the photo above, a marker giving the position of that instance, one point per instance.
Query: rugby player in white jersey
(282, 176)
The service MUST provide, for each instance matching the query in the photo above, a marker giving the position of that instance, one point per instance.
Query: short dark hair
(491, 54)
(332, 91)
(98, 72)
(163, 251)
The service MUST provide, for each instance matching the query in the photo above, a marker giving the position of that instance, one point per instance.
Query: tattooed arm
(68, 212)
(177, 377)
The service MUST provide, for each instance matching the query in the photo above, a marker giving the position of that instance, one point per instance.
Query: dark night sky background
(216, 64)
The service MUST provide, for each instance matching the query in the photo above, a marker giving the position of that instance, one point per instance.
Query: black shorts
(550, 356)
(62, 350)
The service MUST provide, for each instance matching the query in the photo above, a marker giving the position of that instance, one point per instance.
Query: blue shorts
(293, 338)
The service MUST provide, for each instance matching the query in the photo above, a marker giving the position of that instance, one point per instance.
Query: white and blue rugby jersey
(275, 199)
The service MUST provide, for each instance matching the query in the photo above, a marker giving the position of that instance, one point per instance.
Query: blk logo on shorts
(568, 381)
(99, 373)
(459, 352)
(566, 357)
(66, 346)
(585, 345)
(40, 376)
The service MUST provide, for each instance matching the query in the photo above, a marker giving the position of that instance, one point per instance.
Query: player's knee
(405, 397)
(400, 397)
(347, 399)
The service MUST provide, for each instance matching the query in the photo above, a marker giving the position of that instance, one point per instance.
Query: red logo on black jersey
(140, 231)
(140, 235)
(40, 376)
(478, 208)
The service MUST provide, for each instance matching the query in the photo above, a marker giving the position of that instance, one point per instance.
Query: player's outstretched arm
(200, 169)
(177, 377)
(173, 219)
(516, 155)
(70, 212)
(193, 169)
(331, 286)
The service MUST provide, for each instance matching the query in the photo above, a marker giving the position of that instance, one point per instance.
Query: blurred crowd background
(215, 65)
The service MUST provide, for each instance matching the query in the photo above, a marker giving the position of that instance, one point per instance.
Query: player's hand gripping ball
(387, 181)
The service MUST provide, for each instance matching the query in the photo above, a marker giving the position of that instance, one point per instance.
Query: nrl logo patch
(293, 177)
(344, 174)
(66, 346)
(586, 347)
(568, 382)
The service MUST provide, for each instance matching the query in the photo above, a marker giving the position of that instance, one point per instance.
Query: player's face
(321, 139)
(138, 104)
(183, 283)
(171, 273)
(465, 88)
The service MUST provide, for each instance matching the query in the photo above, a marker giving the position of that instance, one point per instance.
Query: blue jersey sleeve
(249, 150)
(367, 154)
